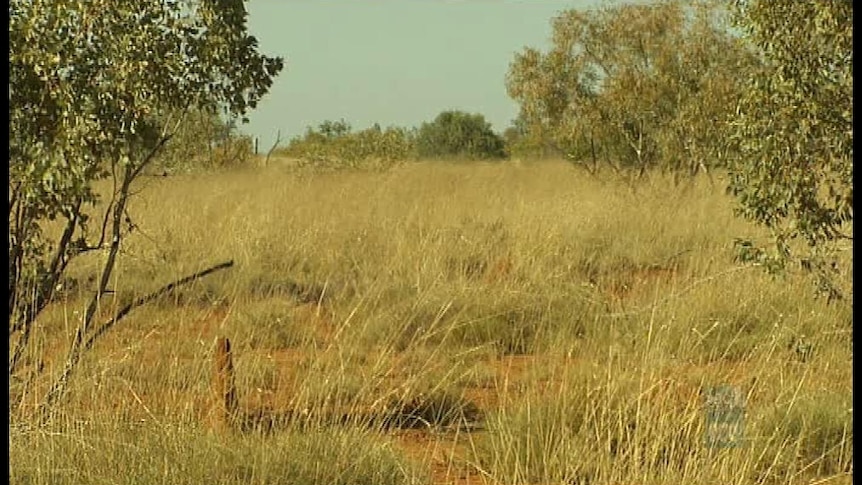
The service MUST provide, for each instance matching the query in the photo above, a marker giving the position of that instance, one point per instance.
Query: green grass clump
(584, 430)
(147, 453)
(805, 439)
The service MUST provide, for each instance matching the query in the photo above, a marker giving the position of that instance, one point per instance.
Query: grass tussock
(128, 453)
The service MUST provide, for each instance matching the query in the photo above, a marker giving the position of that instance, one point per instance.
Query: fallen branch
(78, 349)
(148, 298)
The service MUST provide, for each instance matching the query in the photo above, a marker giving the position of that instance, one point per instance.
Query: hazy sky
(394, 62)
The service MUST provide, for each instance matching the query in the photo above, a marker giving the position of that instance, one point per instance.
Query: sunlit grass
(578, 320)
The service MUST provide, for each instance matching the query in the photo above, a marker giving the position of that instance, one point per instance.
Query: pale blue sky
(394, 62)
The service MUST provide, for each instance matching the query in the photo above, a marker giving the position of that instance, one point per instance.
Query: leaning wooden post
(224, 385)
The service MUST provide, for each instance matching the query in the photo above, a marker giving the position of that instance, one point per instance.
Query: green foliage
(96, 91)
(334, 129)
(205, 141)
(455, 134)
(334, 146)
(522, 142)
(633, 86)
(793, 132)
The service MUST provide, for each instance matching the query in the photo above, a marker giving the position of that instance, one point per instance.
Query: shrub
(334, 146)
(459, 135)
(204, 141)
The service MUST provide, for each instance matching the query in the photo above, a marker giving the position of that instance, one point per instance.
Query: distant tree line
(452, 135)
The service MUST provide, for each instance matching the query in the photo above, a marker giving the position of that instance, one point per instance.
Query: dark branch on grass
(148, 298)
(80, 346)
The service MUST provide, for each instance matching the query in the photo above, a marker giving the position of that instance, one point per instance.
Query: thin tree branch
(75, 353)
(148, 298)
(272, 149)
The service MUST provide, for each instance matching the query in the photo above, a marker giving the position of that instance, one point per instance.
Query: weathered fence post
(224, 386)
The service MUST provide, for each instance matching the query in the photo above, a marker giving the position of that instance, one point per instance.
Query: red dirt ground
(448, 455)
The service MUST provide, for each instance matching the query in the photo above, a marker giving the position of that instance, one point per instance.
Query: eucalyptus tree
(793, 136)
(97, 89)
(634, 85)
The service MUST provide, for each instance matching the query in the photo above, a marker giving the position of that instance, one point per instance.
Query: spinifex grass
(111, 452)
(579, 321)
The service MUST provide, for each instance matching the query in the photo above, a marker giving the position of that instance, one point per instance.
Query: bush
(521, 142)
(334, 146)
(204, 141)
(455, 134)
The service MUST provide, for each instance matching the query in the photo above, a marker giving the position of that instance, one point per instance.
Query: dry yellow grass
(579, 319)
